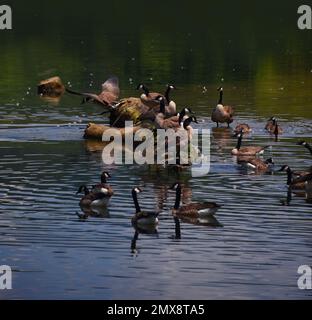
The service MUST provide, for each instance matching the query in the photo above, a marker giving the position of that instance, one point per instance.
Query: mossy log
(95, 131)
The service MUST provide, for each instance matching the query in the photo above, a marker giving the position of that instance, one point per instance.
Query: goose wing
(90, 97)
(111, 85)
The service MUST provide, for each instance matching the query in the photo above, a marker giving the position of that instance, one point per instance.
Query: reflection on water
(59, 251)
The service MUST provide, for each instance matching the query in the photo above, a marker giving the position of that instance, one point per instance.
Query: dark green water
(264, 63)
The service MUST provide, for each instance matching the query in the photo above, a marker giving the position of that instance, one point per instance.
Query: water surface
(265, 69)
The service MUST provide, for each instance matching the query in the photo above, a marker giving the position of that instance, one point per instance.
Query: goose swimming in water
(103, 185)
(192, 210)
(93, 198)
(140, 217)
(247, 151)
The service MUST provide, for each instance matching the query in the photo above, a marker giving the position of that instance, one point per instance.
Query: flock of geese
(160, 110)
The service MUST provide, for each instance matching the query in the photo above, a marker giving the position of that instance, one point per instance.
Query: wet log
(95, 131)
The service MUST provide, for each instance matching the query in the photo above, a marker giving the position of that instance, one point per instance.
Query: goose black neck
(103, 179)
(289, 177)
(162, 106)
(309, 147)
(167, 94)
(146, 91)
(177, 228)
(276, 128)
(239, 142)
(221, 97)
(178, 198)
(186, 123)
(136, 202)
(181, 115)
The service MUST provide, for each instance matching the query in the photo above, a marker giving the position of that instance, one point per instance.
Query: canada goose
(258, 164)
(93, 198)
(141, 217)
(222, 114)
(162, 121)
(101, 187)
(247, 151)
(194, 210)
(148, 98)
(273, 127)
(187, 126)
(295, 184)
(173, 122)
(244, 128)
(172, 107)
(306, 145)
(108, 96)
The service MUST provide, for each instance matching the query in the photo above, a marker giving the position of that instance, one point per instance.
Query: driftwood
(95, 131)
(52, 87)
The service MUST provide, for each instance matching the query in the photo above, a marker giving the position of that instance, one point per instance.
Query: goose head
(188, 121)
(83, 189)
(284, 168)
(269, 161)
(175, 186)
(105, 175)
(141, 86)
(171, 87)
(137, 190)
(302, 143)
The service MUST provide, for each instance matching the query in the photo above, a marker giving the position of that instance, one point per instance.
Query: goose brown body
(246, 151)
(192, 210)
(273, 127)
(258, 164)
(92, 198)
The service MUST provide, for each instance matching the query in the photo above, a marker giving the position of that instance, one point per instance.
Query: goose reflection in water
(209, 221)
(146, 230)
(100, 212)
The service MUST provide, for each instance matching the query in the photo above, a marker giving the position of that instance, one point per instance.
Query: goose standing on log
(222, 113)
(172, 106)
